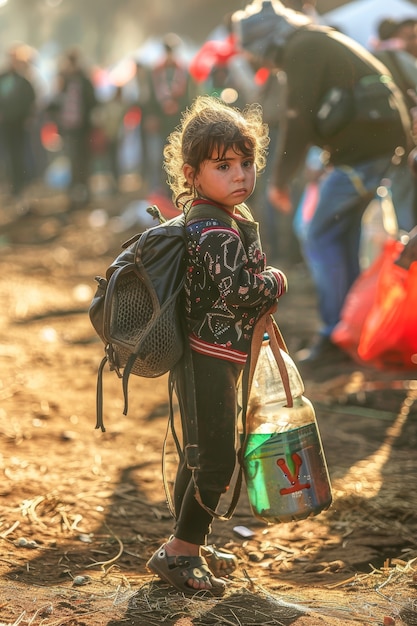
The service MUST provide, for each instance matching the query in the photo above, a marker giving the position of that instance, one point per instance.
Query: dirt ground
(81, 511)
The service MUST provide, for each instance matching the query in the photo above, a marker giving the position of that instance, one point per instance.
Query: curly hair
(210, 126)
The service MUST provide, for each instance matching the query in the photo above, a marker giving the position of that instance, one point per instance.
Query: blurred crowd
(116, 122)
(124, 126)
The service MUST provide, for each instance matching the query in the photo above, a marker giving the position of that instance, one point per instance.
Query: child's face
(227, 181)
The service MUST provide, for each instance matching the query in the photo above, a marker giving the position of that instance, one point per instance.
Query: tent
(359, 19)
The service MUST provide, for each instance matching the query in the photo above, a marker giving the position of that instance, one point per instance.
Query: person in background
(308, 7)
(276, 227)
(222, 70)
(313, 171)
(74, 105)
(278, 232)
(17, 105)
(406, 33)
(150, 144)
(109, 118)
(396, 48)
(171, 90)
(316, 60)
(212, 161)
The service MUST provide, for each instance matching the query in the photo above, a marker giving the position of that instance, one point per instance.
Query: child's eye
(223, 166)
(248, 163)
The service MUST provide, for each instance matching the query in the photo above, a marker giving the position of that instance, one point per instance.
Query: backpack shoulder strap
(189, 416)
(207, 211)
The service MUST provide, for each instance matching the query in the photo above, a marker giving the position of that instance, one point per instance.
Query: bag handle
(267, 324)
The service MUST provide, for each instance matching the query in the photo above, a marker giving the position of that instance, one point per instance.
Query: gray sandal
(222, 562)
(177, 570)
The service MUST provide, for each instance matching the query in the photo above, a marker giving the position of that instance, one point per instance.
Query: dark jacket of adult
(316, 59)
(17, 98)
(76, 102)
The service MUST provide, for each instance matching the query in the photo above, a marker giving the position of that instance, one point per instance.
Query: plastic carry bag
(359, 302)
(389, 334)
(379, 224)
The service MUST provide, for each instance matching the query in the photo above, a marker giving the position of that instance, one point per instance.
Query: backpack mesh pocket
(136, 327)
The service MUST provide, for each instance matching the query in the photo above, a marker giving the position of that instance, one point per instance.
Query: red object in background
(389, 334)
(132, 118)
(261, 76)
(378, 325)
(359, 302)
(122, 72)
(98, 140)
(50, 138)
(212, 53)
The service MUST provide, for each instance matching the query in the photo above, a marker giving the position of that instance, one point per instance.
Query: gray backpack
(135, 310)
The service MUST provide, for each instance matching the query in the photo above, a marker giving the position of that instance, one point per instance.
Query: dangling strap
(125, 381)
(277, 344)
(247, 379)
(99, 396)
(190, 455)
(233, 504)
(188, 409)
(170, 427)
(266, 324)
(171, 385)
(190, 422)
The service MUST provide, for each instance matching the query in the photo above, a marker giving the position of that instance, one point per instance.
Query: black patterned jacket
(228, 285)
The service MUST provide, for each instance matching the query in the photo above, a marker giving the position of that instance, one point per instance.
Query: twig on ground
(103, 564)
(13, 527)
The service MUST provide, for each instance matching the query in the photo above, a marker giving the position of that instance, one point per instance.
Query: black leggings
(215, 391)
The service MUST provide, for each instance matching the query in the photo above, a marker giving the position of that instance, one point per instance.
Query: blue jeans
(332, 239)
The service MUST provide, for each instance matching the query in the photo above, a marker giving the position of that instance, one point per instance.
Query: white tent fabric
(359, 19)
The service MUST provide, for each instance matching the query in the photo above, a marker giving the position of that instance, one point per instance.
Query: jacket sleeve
(304, 67)
(225, 259)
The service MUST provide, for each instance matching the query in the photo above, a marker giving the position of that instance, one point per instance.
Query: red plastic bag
(360, 300)
(212, 53)
(389, 334)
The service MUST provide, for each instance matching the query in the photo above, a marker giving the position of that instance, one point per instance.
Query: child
(212, 160)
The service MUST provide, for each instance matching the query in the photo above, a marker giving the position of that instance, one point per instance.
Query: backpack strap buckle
(191, 456)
